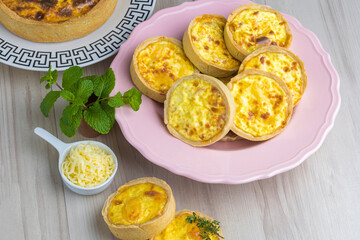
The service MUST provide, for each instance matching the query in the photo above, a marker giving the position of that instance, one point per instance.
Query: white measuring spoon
(63, 149)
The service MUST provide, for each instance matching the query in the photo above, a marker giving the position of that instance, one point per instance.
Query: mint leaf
(48, 102)
(98, 85)
(71, 76)
(116, 101)
(97, 118)
(68, 130)
(92, 78)
(107, 83)
(47, 77)
(54, 76)
(68, 113)
(133, 97)
(84, 90)
(67, 95)
(50, 77)
(110, 112)
(70, 120)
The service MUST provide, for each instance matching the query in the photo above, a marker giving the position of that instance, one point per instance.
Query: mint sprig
(50, 77)
(88, 99)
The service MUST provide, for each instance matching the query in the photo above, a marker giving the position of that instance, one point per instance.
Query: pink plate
(229, 162)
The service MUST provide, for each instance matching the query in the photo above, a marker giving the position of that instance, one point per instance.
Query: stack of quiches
(248, 83)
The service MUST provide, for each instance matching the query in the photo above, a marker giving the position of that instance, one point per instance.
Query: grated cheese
(88, 165)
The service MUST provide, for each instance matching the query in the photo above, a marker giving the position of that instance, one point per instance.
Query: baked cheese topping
(50, 10)
(162, 63)
(197, 110)
(180, 229)
(283, 66)
(207, 37)
(88, 165)
(254, 28)
(137, 204)
(260, 103)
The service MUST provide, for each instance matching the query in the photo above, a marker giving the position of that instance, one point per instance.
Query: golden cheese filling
(207, 36)
(51, 11)
(261, 106)
(137, 204)
(283, 66)
(254, 28)
(180, 229)
(162, 63)
(197, 110)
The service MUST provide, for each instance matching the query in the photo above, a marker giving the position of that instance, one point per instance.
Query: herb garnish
(89, 99)
(207, 227)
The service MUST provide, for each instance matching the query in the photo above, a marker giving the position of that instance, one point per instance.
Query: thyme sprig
(207, 227)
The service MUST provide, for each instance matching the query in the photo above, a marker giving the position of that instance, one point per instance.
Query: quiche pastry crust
(42, 31)
(296, 88)
(202, 106)
(166, 68)
(190, 229)
(254, 38)
(209, 53)
(260, 91)
(230, 137)
(149, 228)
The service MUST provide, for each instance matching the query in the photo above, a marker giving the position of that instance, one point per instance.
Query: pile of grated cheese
(88, 165)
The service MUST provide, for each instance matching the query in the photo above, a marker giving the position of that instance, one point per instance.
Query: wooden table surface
(320, 199)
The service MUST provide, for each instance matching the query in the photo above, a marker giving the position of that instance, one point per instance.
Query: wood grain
(317, 200)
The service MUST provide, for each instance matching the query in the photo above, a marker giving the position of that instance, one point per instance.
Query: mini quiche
(263, 104)
(283, 63)
(205, 46)
(54, 20)
(156, 64)
(181, 229)
(199, 110)
(140, 209)
(252, 26)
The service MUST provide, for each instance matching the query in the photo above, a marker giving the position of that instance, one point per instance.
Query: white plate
(95, 47)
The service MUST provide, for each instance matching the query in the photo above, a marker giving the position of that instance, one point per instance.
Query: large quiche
(54, 20)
